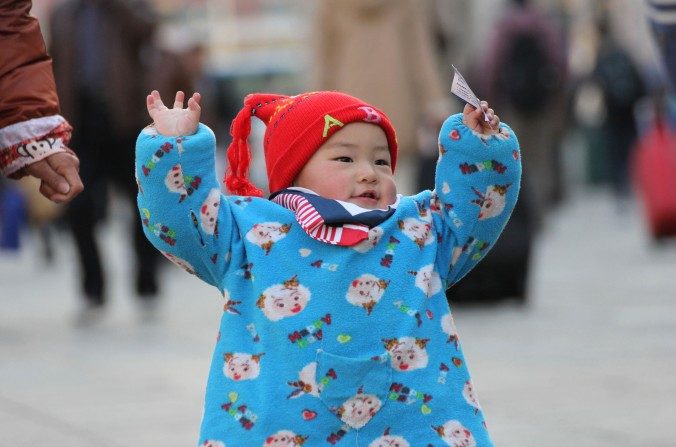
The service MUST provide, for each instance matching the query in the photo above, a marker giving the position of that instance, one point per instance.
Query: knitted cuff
(25, 143)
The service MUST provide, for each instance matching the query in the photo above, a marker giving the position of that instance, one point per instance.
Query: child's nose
(367, 173)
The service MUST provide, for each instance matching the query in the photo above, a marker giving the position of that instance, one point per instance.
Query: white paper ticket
(461, 89)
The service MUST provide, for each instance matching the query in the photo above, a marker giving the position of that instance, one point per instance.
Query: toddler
(335, 329)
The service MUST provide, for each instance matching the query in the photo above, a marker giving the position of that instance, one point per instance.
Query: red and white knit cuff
(27, 142)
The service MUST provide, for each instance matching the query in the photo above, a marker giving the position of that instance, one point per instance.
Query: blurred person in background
(525, 70)
(97, 47)
(622, 87)
(383, 51)
(662, 18)
(449, 23)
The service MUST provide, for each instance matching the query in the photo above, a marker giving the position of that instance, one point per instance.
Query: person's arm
(184, 214)
(477, 184)
(33, 136)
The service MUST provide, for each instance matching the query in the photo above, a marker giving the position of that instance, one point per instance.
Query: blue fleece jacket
(332, 345)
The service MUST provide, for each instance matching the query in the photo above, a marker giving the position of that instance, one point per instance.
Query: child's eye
(343, 159)
(382, 162)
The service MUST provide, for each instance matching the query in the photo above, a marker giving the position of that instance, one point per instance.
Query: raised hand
(177, 120)
(474, 119)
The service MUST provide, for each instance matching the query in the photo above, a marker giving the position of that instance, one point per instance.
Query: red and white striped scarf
(332, 221)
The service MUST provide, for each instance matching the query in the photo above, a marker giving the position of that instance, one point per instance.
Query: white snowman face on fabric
(284, 438)
(428, 280)
(470, 395)
(174, 180)
(284, 300)
(454, 434)
(241, 366)
(417, 230)
(407, 353)
(366, 291)
(209, 211)
(364, 246)
(358, 410)
(266, 234)
(210, 443)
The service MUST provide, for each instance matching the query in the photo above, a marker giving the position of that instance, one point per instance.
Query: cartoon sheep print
(306, 383)
(174, 180)
(388, 440)
(185, 265)
(455, 434)
(492, 202)
(240, 366)
(266, 234)
(284, 300)
(284, 438)
(407, 353)
(417, 230)
(364, 246)
(427, 280)
(323, 344)
(359, 409)
(470, 396)
(366, 291)
(209, 211)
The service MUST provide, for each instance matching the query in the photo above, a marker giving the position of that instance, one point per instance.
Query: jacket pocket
(354, 389)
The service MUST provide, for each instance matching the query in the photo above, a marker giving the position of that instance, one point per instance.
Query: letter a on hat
(329, 122)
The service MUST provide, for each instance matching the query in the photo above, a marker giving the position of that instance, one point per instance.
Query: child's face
(354, 165)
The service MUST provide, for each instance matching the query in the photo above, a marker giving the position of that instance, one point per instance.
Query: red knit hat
(296, 127)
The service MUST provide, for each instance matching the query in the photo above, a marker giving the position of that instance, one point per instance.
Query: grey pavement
(589, 362)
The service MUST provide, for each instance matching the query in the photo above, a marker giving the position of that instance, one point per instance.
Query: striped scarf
(332, 221)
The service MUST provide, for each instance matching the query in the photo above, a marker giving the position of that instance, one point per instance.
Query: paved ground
(590, 362)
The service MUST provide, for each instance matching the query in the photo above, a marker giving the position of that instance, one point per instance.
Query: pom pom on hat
(296, 126)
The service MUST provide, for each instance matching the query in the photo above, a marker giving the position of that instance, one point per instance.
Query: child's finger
(495, 122)
(154, 100)
(178, 100)
(194, 102)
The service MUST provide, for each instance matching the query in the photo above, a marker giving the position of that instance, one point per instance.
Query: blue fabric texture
(332, 345)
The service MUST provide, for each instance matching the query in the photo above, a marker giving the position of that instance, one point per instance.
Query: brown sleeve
(27, 88)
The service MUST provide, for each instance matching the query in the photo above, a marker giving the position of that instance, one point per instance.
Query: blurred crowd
(537, 62)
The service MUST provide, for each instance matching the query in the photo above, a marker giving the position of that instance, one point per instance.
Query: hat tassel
(239, 157)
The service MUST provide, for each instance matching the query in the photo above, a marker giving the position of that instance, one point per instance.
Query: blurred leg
(88, 208)
(82, 221)
(146, 255)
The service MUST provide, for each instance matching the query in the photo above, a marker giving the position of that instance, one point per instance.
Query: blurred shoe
(146, 285)
(89, 315)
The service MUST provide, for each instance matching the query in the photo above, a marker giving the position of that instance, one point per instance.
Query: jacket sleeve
(477, 185)
(183, 212)
(30, 125)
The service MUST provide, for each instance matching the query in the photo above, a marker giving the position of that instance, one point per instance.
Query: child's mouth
(368, 195)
